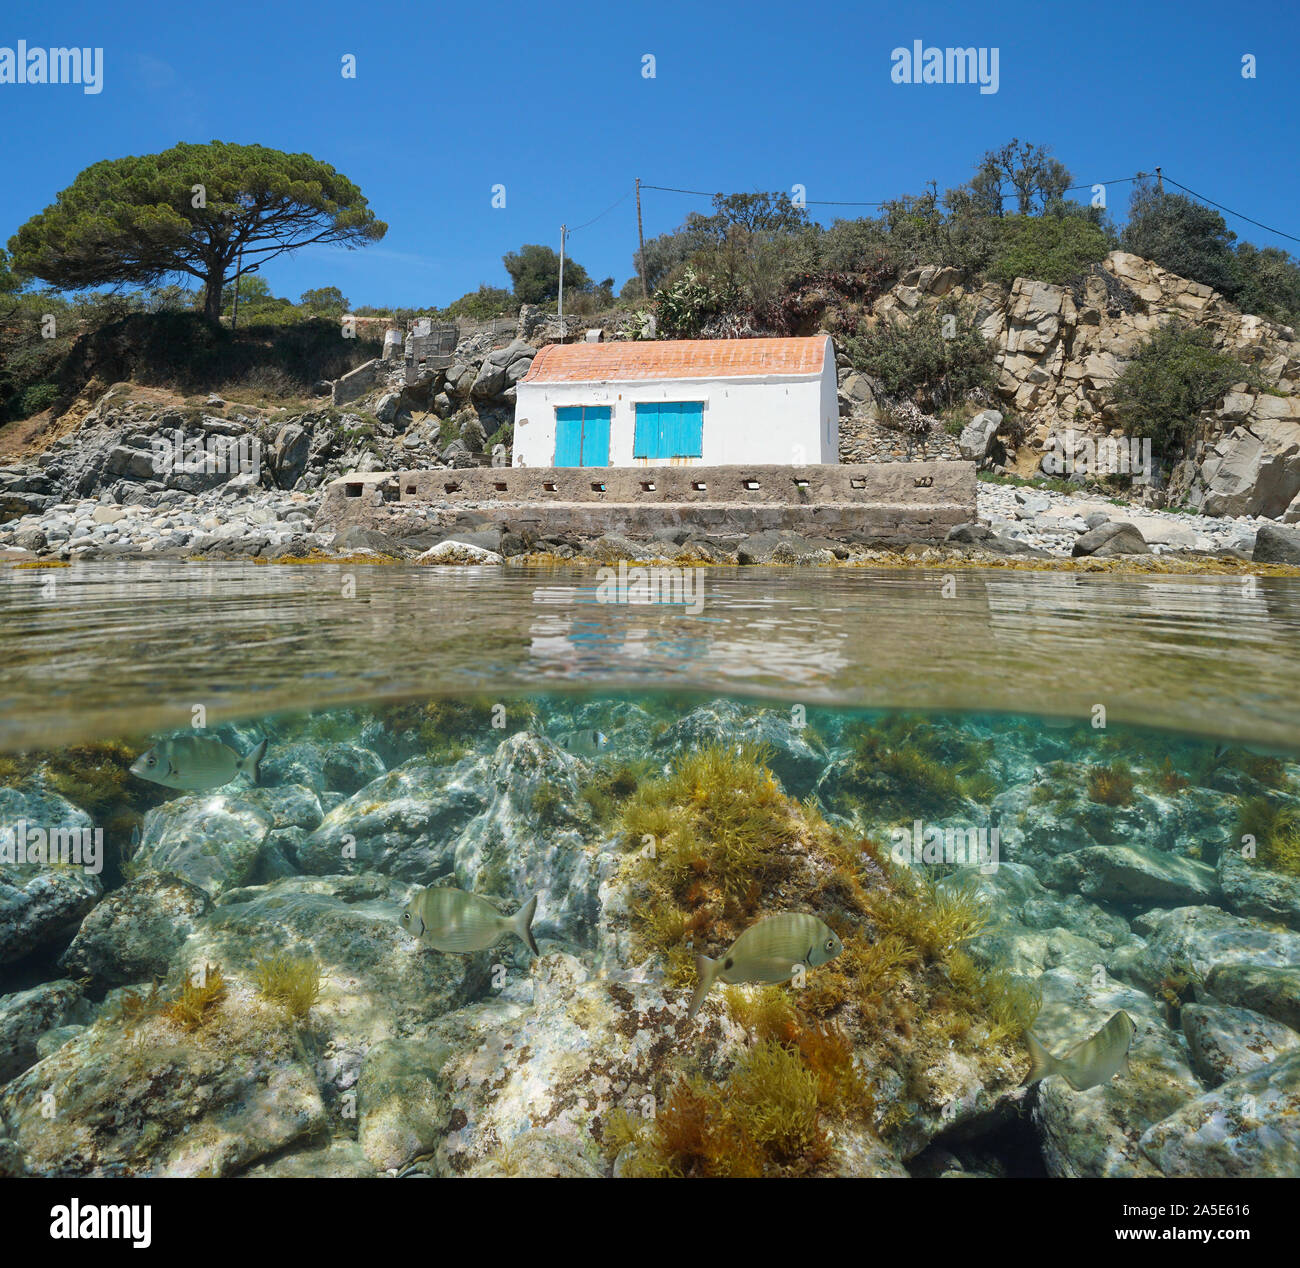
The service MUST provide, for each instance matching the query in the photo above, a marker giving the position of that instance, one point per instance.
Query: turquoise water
(1020, 803)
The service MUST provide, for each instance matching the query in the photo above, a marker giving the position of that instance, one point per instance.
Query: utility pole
(640, 237)
(1160, 183)
(564, 229)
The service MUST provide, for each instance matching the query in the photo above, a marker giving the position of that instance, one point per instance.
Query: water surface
(115, 648)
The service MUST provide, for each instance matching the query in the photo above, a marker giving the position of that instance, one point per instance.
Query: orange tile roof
(633, 360)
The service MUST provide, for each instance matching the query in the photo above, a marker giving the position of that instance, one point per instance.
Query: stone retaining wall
(885, 502)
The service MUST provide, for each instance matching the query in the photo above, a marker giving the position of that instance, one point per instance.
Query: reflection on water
(108, 648)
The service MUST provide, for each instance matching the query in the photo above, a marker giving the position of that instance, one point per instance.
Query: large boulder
(1200, 939)
(1277, 545)
(133, 934)
(377, 982)
(795, 753)
(212, 840)
(27, 1015)
(535, 837)
(458, 553)
(1271, 989)
(976, 437)
(1253, 470)
(142, 1096)
(1113, 538)
(1226, 1042)
(40, 901)
(403, 1109)
(1248, 1126)
(558, 1057)
(289, 454)
(1134, 875)
(1094, 1133)
(1251, 889)
(403, 824)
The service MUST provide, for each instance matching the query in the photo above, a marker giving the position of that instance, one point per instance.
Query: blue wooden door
(669, 429)
(582, 436)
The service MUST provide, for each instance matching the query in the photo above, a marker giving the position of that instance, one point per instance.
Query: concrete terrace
(880, 503)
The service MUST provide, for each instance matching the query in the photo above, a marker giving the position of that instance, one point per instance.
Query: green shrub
(683, 308)
(915, 358)
(36, 398)
(1176, 374)
(1047, 248)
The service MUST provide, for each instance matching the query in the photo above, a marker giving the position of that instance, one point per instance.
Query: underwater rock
(350, 767)
(12, 1163)
(156, 1099)
(132, 935)
(210, 839)
(795, 754)
(289, 806)
(377, 983)
(1268, 989)
(1094, 1133)
(40, 901)
(533, 837)
(27, 1015)
(539, 1153)
(337, 1158)
(1035, 929)
(278, 858)
(1251, 889)
(53, 1040)
(1227, 1042)
(402, 824)
(1249, 1126)
(301, 762)
(1053, 814)
(560, 1063)
(1133, 875)
(1197, 938)
(339, 767)
(402, 1105)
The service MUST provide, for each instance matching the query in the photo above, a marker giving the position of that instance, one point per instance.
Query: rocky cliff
(1058, 352)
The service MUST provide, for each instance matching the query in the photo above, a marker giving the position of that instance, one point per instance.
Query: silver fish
(769, 951)
(1089, 1063)
(196, 763)
(455, 920)
(583, 743)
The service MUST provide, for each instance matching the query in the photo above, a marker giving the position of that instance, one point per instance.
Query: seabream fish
(770, 951)
(196, 763)
(1088, 1064)
(583, 743)
(456, 920)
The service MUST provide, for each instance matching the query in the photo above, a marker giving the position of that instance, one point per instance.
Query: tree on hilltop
(535, 272)
(190, 209)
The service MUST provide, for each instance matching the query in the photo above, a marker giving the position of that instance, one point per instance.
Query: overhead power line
(606, 212)
(1240, 215)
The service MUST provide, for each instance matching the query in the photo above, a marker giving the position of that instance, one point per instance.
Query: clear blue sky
(550, 101)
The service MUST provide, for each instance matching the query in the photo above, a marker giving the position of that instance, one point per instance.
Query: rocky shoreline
(242, 520)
